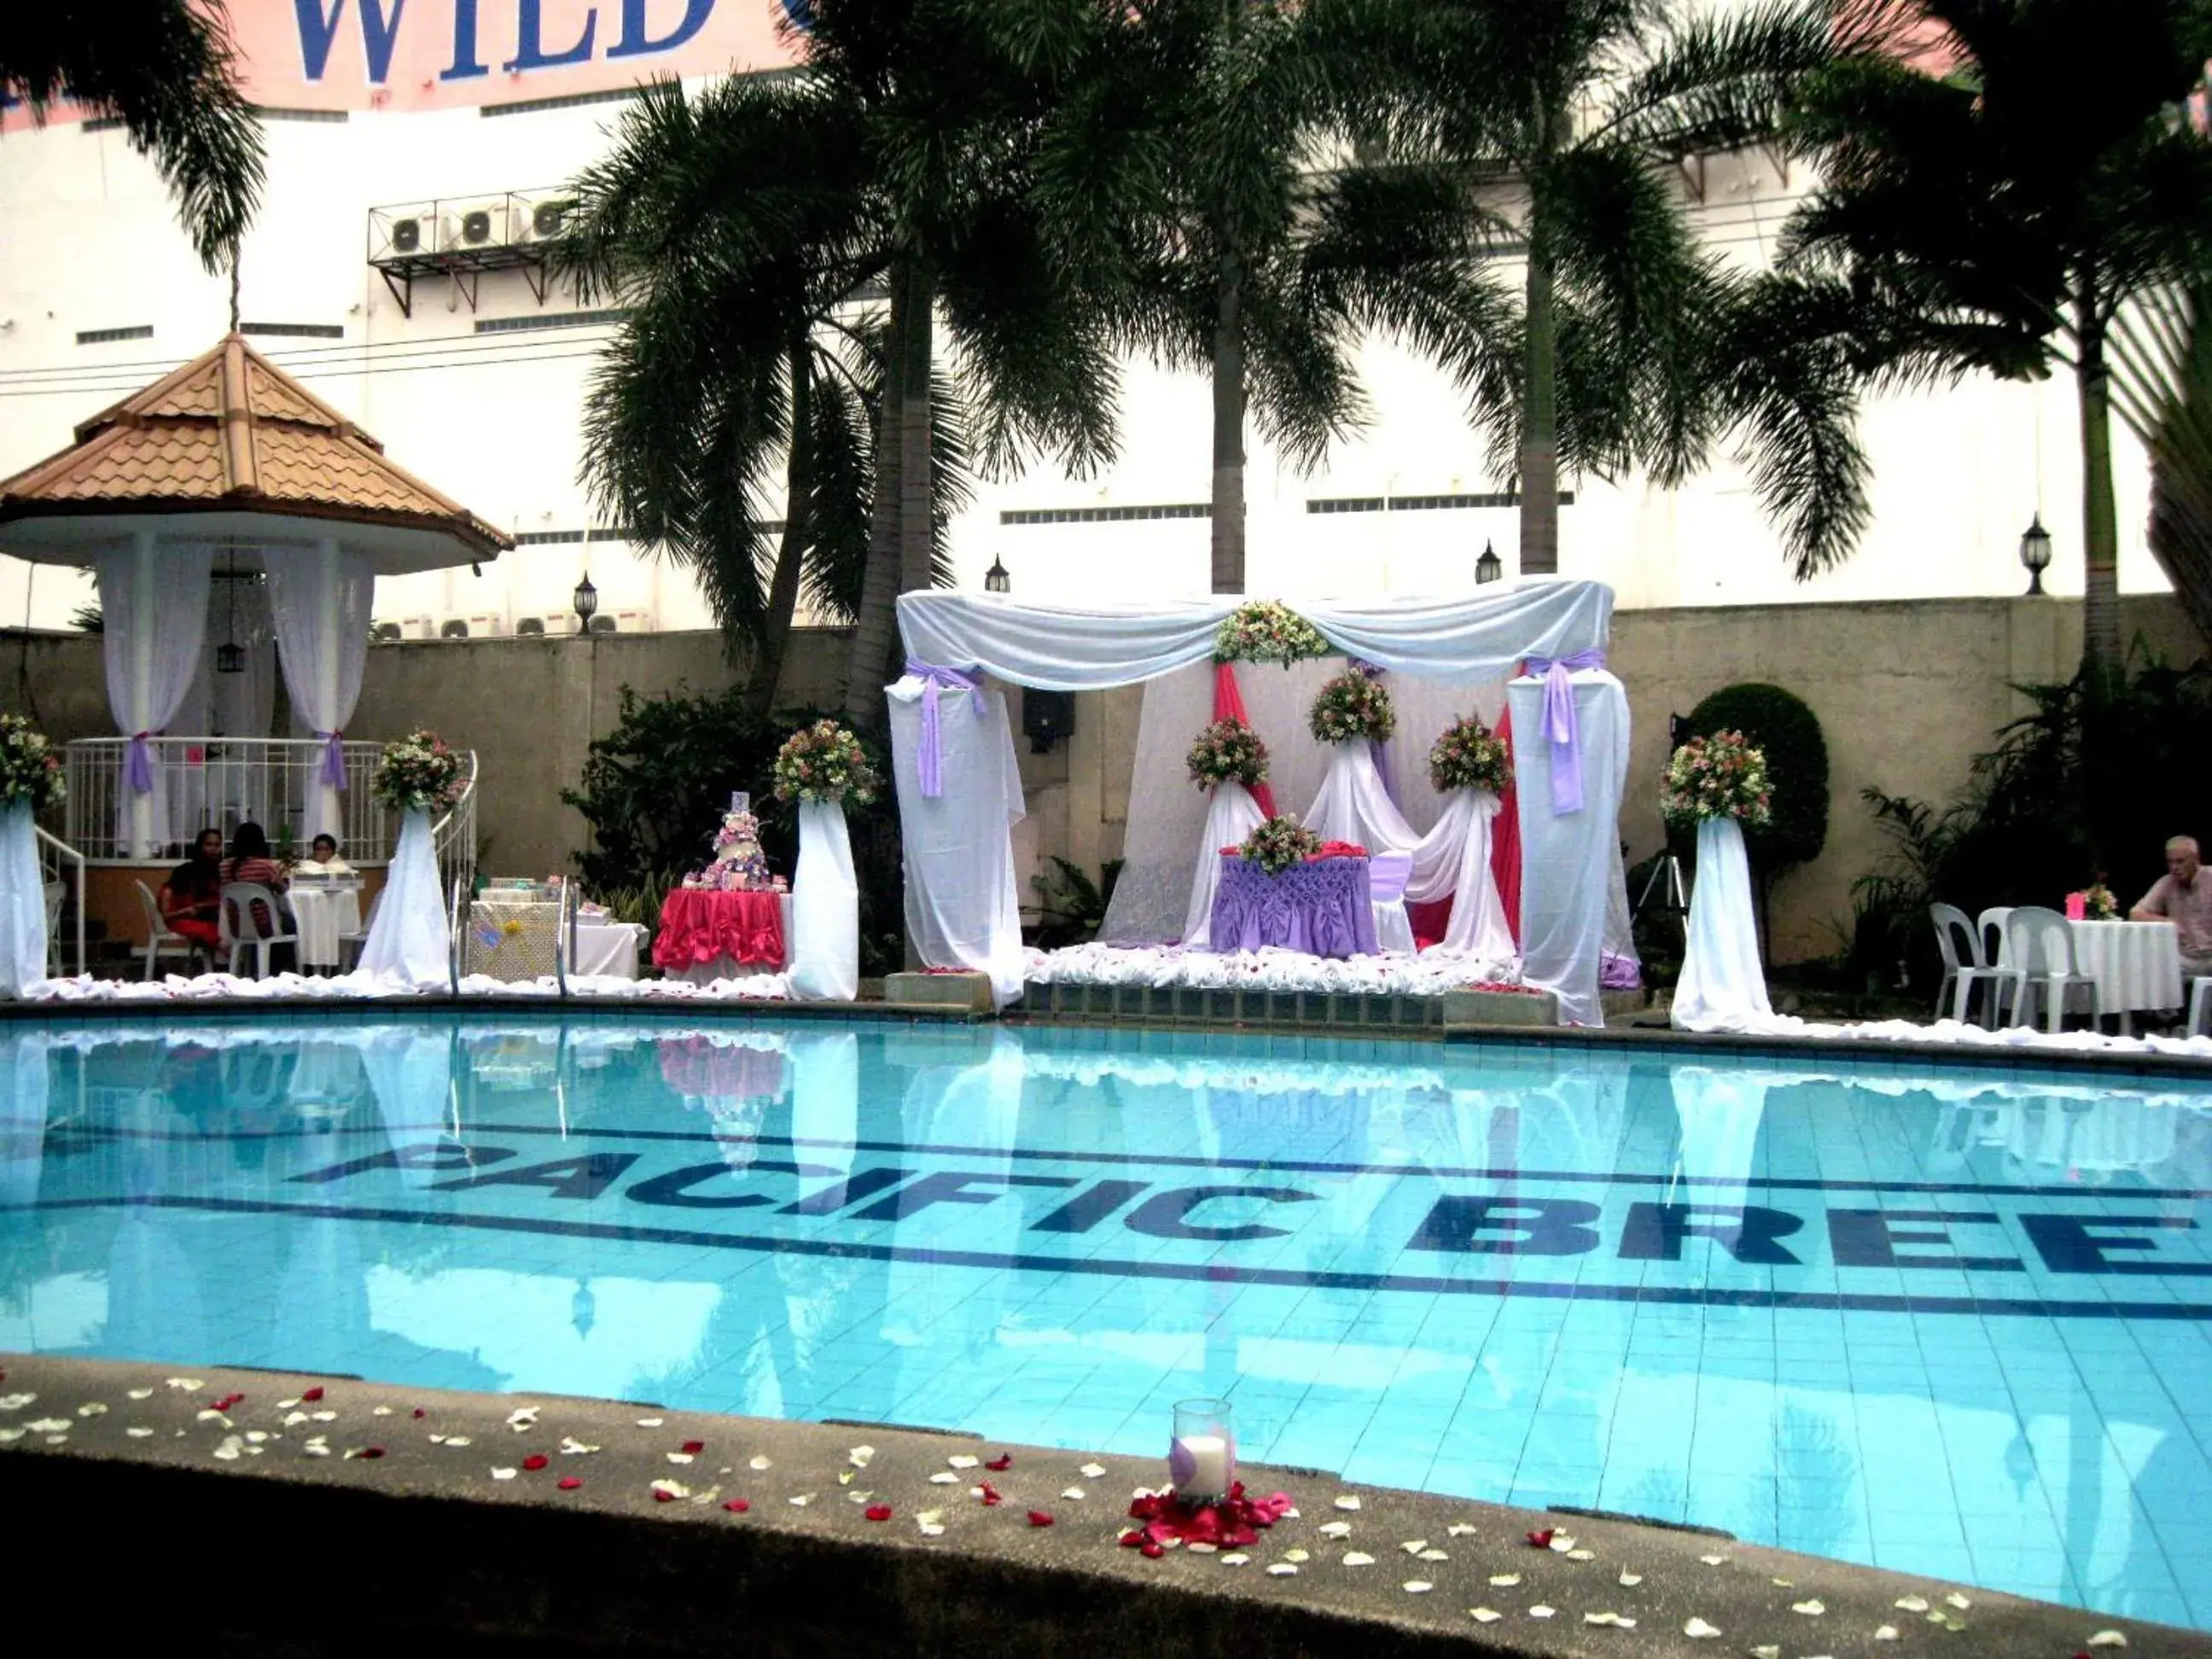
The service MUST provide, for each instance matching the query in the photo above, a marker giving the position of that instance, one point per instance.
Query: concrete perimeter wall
(1906, 692)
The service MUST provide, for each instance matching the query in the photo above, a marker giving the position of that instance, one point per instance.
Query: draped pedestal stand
(825, 908)
(1723, 988)
(407, 947)
(1454, 861)
(22, 904)
(1231, 814)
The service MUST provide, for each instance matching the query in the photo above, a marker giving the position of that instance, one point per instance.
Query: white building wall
(493, 420)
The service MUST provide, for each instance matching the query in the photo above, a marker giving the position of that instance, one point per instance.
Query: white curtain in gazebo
(218, 787)
(319, 601)
(1567, 856)
(153, 607)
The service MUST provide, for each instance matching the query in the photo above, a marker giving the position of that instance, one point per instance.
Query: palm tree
(2162, 388)
(1627, 347)
(164, 68)
(1998, 196)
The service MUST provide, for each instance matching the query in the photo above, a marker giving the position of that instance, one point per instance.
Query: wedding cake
(739, 865)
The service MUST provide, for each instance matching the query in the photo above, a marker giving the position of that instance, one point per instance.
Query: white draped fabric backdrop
(22, 903)
(825, 908)
(409, 944)
(153, 609)
(1722, 987)
(320, 600)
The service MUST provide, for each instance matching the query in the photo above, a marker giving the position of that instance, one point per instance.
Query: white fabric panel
(408, 944)
(1477, 928)
(606, 949)
(153, 607)
(1619, 920)
(825, 908)
(1425, 707)
(1393, 928)
(1563, 856)
(320, 600)
(1350, 805)
(23, 1092)
(1231, 816)
(22, 904)
(962, 906)
(1069, 648)
(232, 705)
(1719, 1112)
(825, 1097)
(411, 1075)
(1723, 988)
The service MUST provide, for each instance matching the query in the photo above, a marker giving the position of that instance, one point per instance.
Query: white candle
(1200, 1464)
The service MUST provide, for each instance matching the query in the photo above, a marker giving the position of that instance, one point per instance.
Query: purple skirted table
(1321, 907)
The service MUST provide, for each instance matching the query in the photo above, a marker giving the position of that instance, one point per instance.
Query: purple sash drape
(1562, 726)
(334, 766)
(139, 763)
(929, 755)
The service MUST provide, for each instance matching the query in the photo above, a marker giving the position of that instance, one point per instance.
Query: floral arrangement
(30, 770)
(2098, 904)
(1227, 752)
(1265, 631)
(417, 773)
(1351, 706)
(1468, 755)
(1721, 776)
(1278, 844)
(825, 761)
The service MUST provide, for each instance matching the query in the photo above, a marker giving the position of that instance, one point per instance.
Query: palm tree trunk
(917, 504)
(2100, 533)
(1227, 510)
(1539, 393)
(797, 532)
(875, 624)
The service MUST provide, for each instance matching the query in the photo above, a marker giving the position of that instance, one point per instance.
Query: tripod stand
(1666, 880)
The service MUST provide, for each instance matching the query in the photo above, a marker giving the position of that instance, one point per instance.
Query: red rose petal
(989, 1494)
(695, 1447)
(1039, 1518)
(736, 1506)
(419, 1412)
(535, 1461)
(1543, 1539)
(660, 1496)
(1150, 1550)
(568, 1483)
(878, 1511)
(372, 1451)
(313, 1393)
(1001, 1463)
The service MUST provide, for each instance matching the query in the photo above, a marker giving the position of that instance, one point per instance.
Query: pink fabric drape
(1505, 836)
(1228, 705)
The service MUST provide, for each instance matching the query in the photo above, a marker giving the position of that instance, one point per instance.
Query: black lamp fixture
(587, 601)
(230, 655)
(1489, 568)
(2035, 554)
(996, 580)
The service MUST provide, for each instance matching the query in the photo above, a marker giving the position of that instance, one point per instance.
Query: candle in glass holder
(1202, 1455)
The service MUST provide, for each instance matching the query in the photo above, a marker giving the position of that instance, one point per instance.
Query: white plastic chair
(1990, 928)
(2041, 946)
(162, 939)
(1960, 973)
(2200, 1005)
(241, 932)
(1387, 876)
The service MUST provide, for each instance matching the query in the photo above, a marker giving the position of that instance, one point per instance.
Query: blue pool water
(1956, 1322)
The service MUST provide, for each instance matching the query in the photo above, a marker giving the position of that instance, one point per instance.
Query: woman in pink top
(250, 861)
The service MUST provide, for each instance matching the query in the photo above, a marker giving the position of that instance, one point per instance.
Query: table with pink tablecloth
(703, 931)
(1321, 907)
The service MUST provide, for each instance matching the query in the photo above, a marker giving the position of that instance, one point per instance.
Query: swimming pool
(1953, 1320)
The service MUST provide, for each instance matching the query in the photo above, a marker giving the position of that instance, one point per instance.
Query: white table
(604, 946)
(322, 913)
(2136, 964)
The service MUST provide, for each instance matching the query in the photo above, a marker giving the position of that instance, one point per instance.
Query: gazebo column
(152, 601)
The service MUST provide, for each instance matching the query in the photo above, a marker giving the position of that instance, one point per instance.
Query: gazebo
(236, 523)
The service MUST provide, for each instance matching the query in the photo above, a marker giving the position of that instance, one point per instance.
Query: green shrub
(1779, 723)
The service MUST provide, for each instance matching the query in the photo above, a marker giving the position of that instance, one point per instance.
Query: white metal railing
(60, 865)
(454, 836)
(225, 781)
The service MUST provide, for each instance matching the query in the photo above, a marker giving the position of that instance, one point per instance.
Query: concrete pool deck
(200, 1516)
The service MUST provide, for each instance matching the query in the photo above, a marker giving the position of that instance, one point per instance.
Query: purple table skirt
(1321, 908)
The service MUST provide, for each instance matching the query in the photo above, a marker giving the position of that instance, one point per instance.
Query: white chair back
(239, 922)
(1387, 876)
(1990, 928)
(2039, 942)
(1952, 929)
(154, 926)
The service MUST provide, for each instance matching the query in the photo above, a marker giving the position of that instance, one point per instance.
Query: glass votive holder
(1202, 1455)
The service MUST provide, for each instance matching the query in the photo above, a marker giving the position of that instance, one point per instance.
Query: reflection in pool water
(1945, 1319)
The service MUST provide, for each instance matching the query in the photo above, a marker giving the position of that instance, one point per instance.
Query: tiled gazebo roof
(231, 432)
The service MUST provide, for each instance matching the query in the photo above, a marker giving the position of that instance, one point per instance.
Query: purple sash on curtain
(334, 766)
(929, 756)
(139, 763)
(1563, 727)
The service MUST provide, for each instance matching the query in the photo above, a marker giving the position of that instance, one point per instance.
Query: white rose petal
(1092, 1471)
(1335, 1529)
(943, 1478)
(1911, 1604)
(1292, 1513)
(674, 1488)
(1200, 1546)
(1581, 1555)
(502, 1474)
(313, 1450)
(2109, 1639)
(1540, 1611)
(1714, 1560)
(457, 1440)
(1417, 1587)
(858, 1496)
(845, 1477)
(1434, 1555)
(802, 1500)
(255, 1437)
(1414, 1546)
(93, 1409)
(756, 1462)
(1235, 1558)
(1075, 1493)
(1810, 1609)
(1503, 1580)
(1614, 1619)
(1561, 1543)
(383, 1411)
(1697, 1629)
(1461, 1529)
(1629, 1580)
(137, 1433)
(861, 1456)
(1298, 1555)
(1884, 1633)
(437, 1439)
(138, 1394)
(291, 1418)
(326, 1416)
(208, 1415)
(1281, 1570)
(651, 1422)
(1766, 1651)
(1957, 1601)
(188, 1383)
(1347, 1501)
(574, 1448)
(231, 1449)
(58, 1440)
(933, 1529)
(962, 1460)
(48, 1425)
(1357, 1558)
(677, 1457)
(1484, 1615)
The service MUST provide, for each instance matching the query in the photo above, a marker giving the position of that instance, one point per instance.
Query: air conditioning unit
(540, 221)
(407, 235)
(453, 628)
(418, 628)
(604, 623)
(634, 622)
(560, 622)
(384, 633)
(530, 628)
(490, 625)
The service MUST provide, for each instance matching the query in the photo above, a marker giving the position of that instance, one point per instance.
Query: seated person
(323, 858)
(188, 897)
(250, 860)
(2183, 895)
